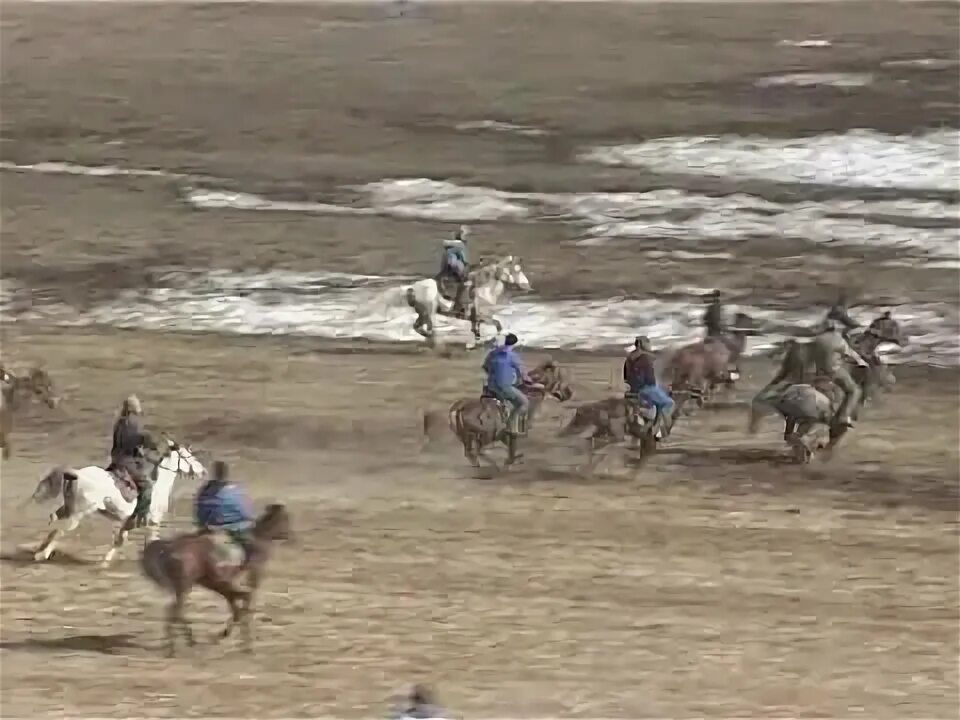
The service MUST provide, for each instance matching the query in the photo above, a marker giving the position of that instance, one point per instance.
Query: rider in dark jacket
(713, 320)
(126, 455)
(640, 375)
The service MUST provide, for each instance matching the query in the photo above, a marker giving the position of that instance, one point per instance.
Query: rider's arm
(522, 376)
(851, 354)
(844, 317)
(455, 261)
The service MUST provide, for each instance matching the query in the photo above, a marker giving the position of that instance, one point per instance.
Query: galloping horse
(478, 422)
(797, 365)
(37, 383)
(92, 489)
(613, 420)
(177, 564)
(488, 281)
(699, 368)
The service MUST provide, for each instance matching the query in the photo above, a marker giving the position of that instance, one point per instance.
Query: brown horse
(613, 420)
(699, 368)
(179, 563)
(479, 422)
(36, 384)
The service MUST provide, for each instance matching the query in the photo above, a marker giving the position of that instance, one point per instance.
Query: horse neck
(489, 286)
(166, 476)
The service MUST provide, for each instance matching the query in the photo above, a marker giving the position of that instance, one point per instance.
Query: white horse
(92, 489)
(488, 280)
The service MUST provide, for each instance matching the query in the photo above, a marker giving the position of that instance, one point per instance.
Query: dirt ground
(718, 582)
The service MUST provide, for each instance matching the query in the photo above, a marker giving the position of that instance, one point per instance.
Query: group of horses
(695, 373)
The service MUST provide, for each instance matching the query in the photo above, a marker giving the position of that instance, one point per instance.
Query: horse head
(274, 523)
(180, 459)
(508, 270)
(554, 378)
(37, 383)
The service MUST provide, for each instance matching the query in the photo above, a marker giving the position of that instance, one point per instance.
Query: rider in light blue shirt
(455, 264)
(504, 373)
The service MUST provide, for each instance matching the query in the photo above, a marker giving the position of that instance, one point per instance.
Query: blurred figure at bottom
(420, 705)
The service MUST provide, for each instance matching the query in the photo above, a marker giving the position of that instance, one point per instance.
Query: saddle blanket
(126, 486)
(227, 551)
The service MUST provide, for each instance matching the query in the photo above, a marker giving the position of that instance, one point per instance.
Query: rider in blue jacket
(504, 373)
(455, 264)
(222, 505)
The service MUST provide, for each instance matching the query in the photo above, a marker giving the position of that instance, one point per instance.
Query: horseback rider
(420, 705)
(713, 316)
(640, 375)
(222, 506)
(127, 456)
(455, 264)
(839, 313)
(504, 374)
(828, 352)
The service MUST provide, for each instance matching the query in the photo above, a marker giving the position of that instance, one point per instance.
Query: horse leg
(119, 538)
(46, 548)
(176, 618)
(419, 323)
(475, 322)
(236, 599)
(469, 452)
(802, 452)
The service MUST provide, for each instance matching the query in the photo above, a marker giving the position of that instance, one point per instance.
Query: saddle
(503, 409)
(639, 411)
(125, 484)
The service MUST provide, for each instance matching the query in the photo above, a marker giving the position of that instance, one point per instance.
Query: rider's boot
(458, 309)
(512, 454)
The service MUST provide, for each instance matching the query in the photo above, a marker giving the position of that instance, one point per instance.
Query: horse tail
(51, 486)
(455, 418)
(155, 563)
(69, 492)
(411, 297)
(431, 420)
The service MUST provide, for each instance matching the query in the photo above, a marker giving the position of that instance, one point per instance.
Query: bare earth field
(720, 581)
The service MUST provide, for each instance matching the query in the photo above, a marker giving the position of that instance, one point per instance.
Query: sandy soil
(719, 582)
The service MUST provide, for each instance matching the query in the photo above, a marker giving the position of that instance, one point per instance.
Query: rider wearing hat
(455, 264)
(829, 353)
(640, 375)
(126, 455)
(504, 373)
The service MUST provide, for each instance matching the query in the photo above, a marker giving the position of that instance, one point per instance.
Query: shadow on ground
(109, 644)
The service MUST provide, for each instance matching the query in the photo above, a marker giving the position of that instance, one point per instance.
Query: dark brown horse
(35, 384)
(699, 368)
(479, 422)
(179, 563)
